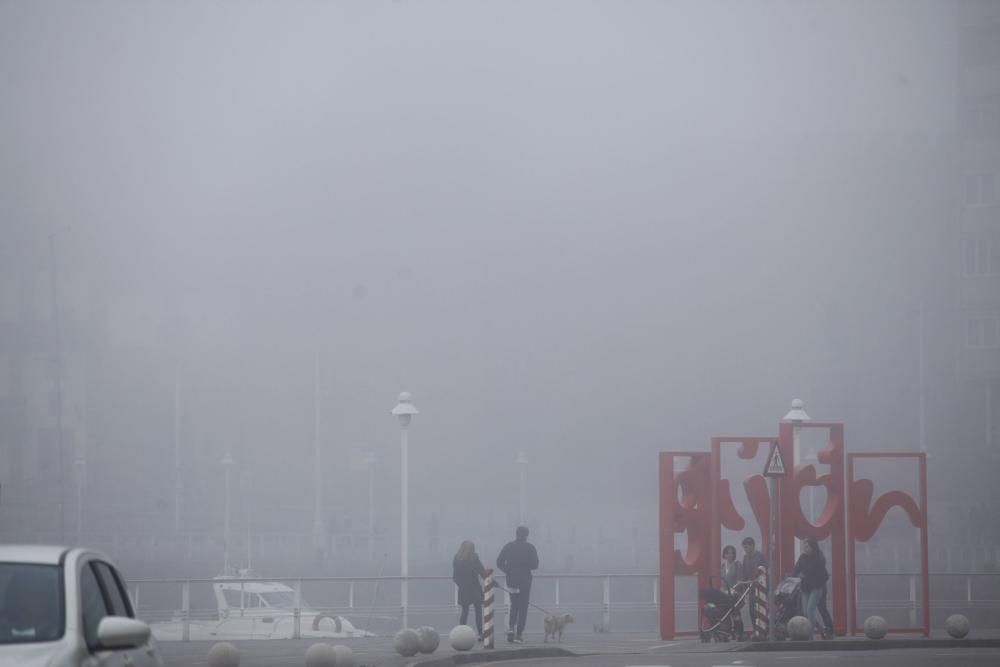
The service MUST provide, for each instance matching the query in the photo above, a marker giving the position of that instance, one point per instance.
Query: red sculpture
(831, 522)
(866, 517)
(698, 501)
(689, 514)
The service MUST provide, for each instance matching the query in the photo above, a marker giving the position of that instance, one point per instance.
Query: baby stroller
(788, 604)
(720, 612)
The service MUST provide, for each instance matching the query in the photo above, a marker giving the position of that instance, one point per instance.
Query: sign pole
(774, 469)
(772, 547)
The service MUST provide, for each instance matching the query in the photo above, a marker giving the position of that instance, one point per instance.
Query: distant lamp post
(796, 415)
(370, 461)
(522, 462)
(81, 475)
(404, 412)
(227, 465)
(319, 525)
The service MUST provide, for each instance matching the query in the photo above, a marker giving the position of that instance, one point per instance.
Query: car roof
(40, 554)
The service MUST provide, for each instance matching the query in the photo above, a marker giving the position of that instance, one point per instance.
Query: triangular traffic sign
(775, 463)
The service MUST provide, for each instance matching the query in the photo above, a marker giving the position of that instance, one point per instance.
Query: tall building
(979, 283)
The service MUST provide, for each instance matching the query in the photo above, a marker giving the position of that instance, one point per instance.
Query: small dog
(554, 626)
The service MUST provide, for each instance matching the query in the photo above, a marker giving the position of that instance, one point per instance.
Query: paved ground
(614, 650)
(886, 658)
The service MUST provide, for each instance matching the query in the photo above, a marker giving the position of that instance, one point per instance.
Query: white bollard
(799, 628)
(875, 627)
(957, 626)
(320, 655)
(429, 639)
(223, 654)
(462, 638)
(406, 642)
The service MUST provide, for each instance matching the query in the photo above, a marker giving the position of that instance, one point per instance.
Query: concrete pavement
(617, 649)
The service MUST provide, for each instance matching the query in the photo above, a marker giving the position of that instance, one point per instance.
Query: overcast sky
(591, 230)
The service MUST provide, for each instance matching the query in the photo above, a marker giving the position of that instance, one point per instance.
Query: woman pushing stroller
(811, 569)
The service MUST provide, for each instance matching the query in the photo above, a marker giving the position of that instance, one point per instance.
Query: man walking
(516, 560)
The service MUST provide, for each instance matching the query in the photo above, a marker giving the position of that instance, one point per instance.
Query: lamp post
(319, 526)
(370, 461)
(177, 450)
(227, 464)
(522, 462)
(246, 481)
(81, 472)
(797, 414)
(404, 411)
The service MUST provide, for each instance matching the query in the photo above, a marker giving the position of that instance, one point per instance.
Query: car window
(31, 603)
(92, 602)
(113, 590)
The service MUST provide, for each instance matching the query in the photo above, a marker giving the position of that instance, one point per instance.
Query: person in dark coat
(516, 560)
(811, 569)
(467, 570)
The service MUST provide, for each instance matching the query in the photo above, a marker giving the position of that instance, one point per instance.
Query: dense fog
(582, 231)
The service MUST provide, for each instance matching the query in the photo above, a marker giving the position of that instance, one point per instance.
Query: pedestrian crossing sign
(775, 463)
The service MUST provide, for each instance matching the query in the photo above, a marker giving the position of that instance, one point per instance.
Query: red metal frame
(706, 505)
(687, 516)
(866, 517)
(723, 512)
(832, 521)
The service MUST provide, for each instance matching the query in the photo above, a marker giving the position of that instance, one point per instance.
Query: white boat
(259, 610)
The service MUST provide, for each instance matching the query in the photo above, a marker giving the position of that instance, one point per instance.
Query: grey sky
(569, 227)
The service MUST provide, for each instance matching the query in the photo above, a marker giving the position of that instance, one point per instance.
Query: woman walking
(466, 572)
(811, 568)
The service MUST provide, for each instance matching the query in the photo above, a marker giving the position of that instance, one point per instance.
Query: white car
(62, 607)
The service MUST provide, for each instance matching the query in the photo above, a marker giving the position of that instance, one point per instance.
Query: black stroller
(720, 612)
(788, 604)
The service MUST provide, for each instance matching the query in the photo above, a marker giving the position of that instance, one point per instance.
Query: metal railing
(631, 598)
(430, 597)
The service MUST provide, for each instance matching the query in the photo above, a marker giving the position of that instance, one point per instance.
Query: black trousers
(479, 615)
(519, 609)
(824, 612)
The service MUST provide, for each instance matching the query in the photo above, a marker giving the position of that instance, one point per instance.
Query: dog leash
(530, 604)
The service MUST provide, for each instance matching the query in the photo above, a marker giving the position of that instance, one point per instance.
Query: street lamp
(521, 461)
(227, 464)
(404, 411)
(319, 526)
(797, 415)
(370, 461)
(81, 472)
(177, 450)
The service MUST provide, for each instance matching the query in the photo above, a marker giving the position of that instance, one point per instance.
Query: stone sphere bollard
(462, 638)
(799, 628)
(875, 627)
(223, 654)
(320, 655)
(957, 626)
(429, 639)
(344, 656)
(406, 642)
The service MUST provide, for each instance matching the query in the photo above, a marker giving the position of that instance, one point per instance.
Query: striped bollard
(760, 608)
(488, 612)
